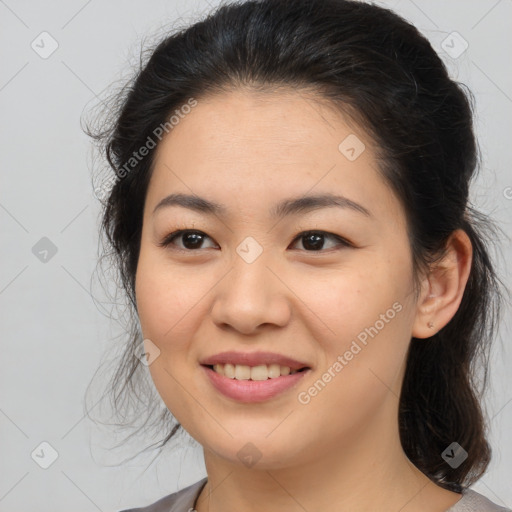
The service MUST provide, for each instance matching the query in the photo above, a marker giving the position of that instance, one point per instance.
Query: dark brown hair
(372, 64)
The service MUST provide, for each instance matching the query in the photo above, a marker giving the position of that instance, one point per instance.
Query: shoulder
(473, 501)
(180, 501)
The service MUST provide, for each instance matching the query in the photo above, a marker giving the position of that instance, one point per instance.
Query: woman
(291, 223)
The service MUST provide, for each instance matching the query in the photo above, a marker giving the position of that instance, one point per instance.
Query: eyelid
(327, 234)
(167, 240)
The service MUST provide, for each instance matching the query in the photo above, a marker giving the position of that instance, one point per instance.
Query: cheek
(166, 297)
(167, 306)
(362, 360)
(368, 316)
(351, 299)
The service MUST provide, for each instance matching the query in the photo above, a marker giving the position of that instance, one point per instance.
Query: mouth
(252, 384)
(254, 376)
(255, 373)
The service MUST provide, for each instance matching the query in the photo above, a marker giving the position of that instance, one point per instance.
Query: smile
(259, 372)
(242, 387)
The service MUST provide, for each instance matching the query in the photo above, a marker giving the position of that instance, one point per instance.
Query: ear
(442, 289)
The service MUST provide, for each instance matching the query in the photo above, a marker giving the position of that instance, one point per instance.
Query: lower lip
(253, 390)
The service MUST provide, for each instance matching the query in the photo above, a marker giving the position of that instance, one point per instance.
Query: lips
(254, 359)
(253, 391)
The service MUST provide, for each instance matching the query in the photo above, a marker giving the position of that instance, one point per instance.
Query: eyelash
(168, 240)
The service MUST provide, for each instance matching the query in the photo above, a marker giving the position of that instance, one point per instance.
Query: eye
(313, 241)
(191, 239)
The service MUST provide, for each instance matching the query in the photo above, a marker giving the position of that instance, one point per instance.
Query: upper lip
(253, 359)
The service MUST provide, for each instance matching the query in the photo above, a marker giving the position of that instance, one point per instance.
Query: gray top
(184, 501)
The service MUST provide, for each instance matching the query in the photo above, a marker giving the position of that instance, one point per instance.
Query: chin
(257, 452)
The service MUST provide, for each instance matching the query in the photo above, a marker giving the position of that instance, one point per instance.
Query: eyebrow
(286, 207)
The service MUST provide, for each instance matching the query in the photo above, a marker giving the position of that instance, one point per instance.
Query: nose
(252, 297)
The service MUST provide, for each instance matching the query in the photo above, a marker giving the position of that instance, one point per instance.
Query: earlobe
(424, 324)
(443, 288)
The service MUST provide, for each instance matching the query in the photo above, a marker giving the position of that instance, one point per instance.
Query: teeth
(244, 372)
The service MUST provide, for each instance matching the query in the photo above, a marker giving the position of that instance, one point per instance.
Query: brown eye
(313, 241)
(191, 240)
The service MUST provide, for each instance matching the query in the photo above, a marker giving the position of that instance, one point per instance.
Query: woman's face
(338, 301)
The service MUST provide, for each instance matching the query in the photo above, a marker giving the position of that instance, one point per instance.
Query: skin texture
(341, 451)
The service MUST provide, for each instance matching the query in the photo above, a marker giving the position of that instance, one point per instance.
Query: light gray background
(53, 336)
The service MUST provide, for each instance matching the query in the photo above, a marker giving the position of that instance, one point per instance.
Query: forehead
(280, 126)
(245, 147)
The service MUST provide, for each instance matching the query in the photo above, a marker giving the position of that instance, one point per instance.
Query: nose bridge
(251, 295)
(251, 278)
